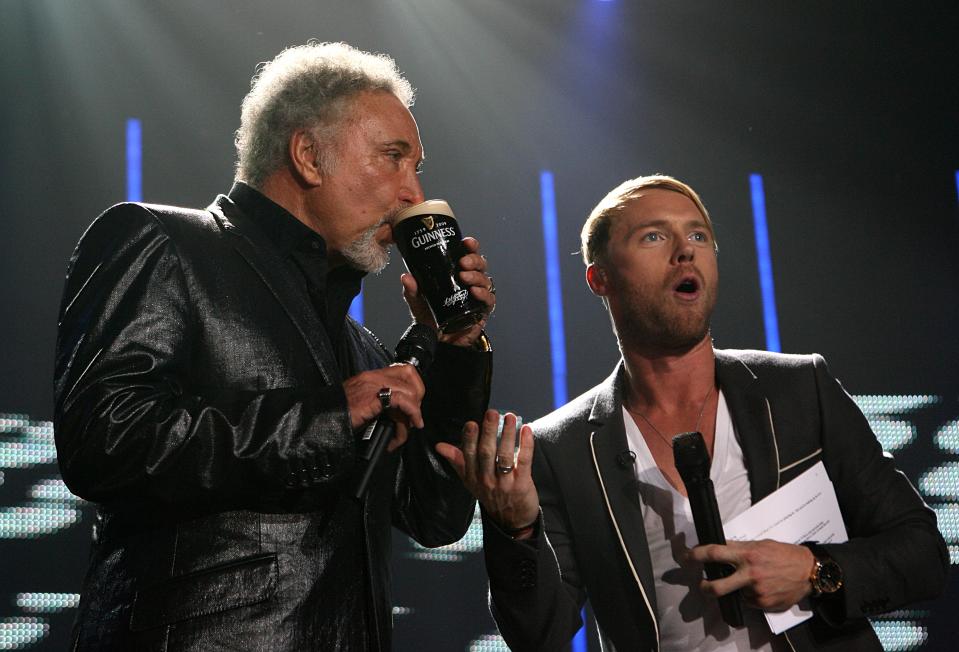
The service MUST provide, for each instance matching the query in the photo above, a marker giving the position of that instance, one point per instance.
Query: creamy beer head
(430, 242)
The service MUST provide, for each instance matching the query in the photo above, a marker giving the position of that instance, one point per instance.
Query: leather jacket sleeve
(129, 423)
(426, 486)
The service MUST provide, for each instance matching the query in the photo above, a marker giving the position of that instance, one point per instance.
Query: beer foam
(428, 207)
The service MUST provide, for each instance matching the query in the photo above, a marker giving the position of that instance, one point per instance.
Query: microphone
(626, 459)
(692, 462)
(416, 348)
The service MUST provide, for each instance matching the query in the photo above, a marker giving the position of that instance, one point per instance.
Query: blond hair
(595, 234)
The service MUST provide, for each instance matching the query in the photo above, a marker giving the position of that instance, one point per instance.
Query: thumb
(400, 435)
(454, 456)
(410, 288)
(419, 310)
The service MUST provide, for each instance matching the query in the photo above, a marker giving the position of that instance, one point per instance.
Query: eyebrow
(695, 222)
(406, 149)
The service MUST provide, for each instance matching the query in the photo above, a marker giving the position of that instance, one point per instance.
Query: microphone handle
(416, 348)
(709, 529)
(376, 436)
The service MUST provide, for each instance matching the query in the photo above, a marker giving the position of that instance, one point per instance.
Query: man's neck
(283, 189)
(666, 381)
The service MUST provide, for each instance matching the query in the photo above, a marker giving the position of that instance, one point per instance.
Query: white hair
(306, 87)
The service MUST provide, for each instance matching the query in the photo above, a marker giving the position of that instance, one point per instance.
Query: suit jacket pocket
(213, 590)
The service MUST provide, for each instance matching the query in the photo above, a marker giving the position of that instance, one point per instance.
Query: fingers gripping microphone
(416, 348)
(692, 462)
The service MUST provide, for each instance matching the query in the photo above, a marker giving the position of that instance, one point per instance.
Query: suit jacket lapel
(752, 415)
(271, 269)
(619, 481)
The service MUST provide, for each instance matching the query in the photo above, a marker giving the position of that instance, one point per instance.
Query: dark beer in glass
(430, 242)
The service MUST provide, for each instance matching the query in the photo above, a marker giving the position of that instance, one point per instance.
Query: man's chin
(672, 340)
(369, 262)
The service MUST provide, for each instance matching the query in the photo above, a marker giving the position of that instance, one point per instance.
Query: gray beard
(365, 253)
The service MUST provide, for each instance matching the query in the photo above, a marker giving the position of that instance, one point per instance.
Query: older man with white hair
(211, 389)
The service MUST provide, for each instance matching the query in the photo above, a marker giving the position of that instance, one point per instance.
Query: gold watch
(826, 575)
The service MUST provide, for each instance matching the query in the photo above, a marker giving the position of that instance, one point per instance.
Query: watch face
(828, 577)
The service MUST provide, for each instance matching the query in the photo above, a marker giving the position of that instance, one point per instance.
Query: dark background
(849, 110)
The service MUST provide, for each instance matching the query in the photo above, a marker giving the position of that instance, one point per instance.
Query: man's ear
(597, 280)
(305, 157)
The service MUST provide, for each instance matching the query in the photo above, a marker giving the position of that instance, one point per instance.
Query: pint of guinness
(430, 242)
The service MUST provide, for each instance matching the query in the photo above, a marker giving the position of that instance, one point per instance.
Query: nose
(684, 252)
(412, 191)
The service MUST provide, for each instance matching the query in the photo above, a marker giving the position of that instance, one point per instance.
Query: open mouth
(688, 285)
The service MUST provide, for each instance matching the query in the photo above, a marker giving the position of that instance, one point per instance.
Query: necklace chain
(702, 409)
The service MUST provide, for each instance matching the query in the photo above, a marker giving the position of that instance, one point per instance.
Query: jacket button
(326, 465)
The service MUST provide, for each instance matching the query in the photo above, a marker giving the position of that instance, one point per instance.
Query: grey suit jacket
(789, 414)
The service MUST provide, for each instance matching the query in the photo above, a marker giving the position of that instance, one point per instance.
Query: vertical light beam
(356, 308)
(134, 161)
(557, 332)
(554, 288)
(764, 258)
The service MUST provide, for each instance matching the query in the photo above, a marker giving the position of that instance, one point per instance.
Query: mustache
(390, 216)
(675, 279)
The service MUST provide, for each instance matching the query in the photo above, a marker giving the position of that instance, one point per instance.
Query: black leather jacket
(199, 404)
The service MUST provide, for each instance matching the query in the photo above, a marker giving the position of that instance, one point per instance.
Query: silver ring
(503, 469)
(386, 397)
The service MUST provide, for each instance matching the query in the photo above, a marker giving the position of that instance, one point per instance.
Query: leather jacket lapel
(270, 268)
(752, 416)
(618, 482)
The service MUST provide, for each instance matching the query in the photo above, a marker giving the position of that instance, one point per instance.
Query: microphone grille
(691, 457)
(419, 341)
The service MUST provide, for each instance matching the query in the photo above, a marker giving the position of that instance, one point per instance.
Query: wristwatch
(826, 575)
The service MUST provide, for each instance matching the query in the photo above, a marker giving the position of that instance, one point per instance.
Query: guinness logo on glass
(429, 238)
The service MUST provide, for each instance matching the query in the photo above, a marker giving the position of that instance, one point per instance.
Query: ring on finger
(386, 397)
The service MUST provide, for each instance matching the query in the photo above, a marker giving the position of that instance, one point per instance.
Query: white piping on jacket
(619, 535)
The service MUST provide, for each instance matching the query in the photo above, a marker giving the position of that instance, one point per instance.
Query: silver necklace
(702, 409)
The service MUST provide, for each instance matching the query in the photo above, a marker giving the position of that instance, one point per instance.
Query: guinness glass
(430, 242)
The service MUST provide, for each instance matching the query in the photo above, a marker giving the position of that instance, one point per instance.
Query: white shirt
(688, 620)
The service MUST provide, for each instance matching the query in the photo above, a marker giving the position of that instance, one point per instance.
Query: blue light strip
(557, 332)
(554, 288)
(134, 161)
(356, 308)
(579, 641)
(770, 320)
